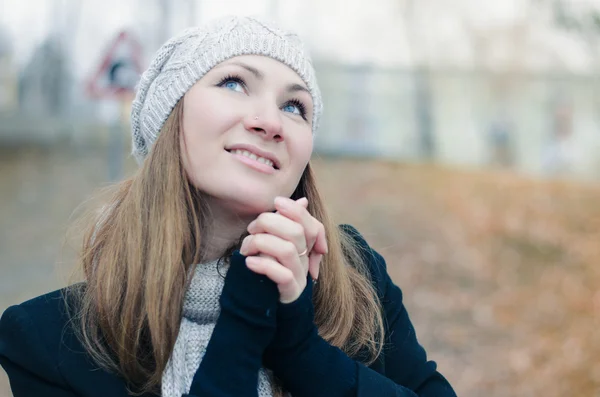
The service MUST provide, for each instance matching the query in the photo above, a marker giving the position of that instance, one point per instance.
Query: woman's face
(247, 133)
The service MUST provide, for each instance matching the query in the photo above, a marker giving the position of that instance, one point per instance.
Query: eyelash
(299, 105)
(232, 77)
(296, 102)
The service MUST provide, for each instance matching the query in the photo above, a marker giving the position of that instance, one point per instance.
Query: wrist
(249, 295)
(295, 330)
(301, 309)
(298, 353)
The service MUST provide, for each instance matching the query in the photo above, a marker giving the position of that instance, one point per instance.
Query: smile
(253, 157)
(260, 164)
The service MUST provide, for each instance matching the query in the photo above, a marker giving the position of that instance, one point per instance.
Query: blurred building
(459, 82)
(8, 74)
(44, 82)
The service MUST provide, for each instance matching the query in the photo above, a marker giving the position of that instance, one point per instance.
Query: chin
(251, 208)
(251, 201)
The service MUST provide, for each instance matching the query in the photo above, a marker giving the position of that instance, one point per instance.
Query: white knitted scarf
(200, 312)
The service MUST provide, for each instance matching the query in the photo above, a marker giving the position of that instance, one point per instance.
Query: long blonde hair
(128, 311)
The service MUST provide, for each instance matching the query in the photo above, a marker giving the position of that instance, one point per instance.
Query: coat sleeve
(406, 361)
(245, 327)
(310, 366)
(298, 354)
(31, 370)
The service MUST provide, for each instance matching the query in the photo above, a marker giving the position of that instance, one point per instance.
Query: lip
(258, 152)
(254, 164)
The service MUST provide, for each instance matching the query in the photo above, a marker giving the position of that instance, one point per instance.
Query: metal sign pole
(115, 151)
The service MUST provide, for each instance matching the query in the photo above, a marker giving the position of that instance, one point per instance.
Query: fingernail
(243, 248)
(251, 225)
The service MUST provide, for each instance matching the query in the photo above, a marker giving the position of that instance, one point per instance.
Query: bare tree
(422, 81)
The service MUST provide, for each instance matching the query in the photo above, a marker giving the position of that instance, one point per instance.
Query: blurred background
(461, 137)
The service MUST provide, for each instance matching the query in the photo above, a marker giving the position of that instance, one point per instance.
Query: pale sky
(99, 21)
(348, 30)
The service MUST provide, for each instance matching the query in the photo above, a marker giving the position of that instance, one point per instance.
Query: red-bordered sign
(119, 70)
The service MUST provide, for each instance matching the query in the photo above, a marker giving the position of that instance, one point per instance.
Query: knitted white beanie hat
(185, 58)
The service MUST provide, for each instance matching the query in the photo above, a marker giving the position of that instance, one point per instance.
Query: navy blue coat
(42, 356)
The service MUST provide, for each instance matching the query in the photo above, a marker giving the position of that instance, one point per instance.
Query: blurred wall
(542, 124)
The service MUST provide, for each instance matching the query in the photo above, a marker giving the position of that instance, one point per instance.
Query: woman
(215, 270)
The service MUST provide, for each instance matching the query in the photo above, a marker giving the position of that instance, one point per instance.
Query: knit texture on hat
(187, 57)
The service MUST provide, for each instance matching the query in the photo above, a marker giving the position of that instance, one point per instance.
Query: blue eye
(232, 83)
(291, 109)
(295, 107)
(234, 86)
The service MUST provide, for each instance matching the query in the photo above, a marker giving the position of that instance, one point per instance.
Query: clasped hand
(286, 246)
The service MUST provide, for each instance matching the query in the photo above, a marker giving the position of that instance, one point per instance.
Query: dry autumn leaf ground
(500, 272)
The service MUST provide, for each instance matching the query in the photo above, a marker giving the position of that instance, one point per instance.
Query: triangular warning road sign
(119, 71)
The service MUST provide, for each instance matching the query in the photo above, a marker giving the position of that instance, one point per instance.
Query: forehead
(265, 67)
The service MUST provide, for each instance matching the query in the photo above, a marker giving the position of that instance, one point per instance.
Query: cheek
(207, 112)
(197, 116)
(302, 150)
(205, 119)
(196, 139)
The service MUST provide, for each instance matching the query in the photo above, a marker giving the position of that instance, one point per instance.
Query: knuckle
(314, 234)
(287, 277)
(257, 241)
(322, 231)
(319, 227)
(298, 232)
(262, 219)
(289, 250)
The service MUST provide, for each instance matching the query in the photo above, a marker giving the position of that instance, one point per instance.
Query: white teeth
(253, 156)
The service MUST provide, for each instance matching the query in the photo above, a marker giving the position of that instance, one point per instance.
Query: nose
(266, 123)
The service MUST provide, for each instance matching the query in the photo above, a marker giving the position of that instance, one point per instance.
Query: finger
(283, 251)
(313, 229)
(280, 226)
(314, 265)
(289, 289)
(321, 240)
(271, 268)
(303, 201)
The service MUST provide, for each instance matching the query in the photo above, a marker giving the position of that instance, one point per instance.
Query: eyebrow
(260, 76)
(257, 73)
(296, 88)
